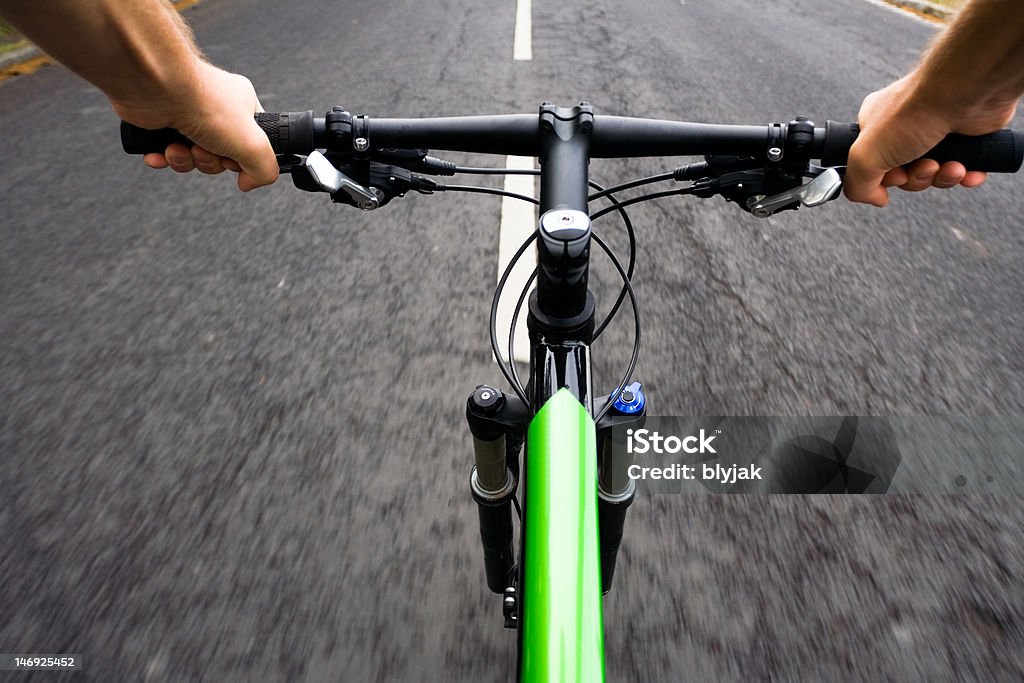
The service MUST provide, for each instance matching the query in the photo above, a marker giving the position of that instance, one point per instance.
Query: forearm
(977, 64)
(135, 51)
(140, 53)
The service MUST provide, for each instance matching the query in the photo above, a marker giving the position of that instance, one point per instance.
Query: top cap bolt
(488, 400)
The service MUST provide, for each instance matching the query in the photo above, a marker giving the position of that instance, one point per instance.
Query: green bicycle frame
(561, 625)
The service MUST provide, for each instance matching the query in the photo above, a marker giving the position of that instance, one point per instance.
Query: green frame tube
(561, 621)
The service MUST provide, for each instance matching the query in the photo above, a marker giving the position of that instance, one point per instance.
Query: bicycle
(576, 488)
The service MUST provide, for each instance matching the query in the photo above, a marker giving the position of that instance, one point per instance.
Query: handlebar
(612, 137)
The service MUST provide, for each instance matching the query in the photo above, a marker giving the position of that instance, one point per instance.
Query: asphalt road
(232, 441)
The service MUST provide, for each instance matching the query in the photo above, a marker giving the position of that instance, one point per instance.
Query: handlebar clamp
(799, 142)
(339, 129)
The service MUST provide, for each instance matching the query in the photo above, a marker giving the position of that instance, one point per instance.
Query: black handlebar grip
(838, 139)
(135, 140)
(998, 152)
(288, 132)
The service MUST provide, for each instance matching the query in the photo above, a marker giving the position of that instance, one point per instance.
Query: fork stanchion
(495, 508)
(611, 519)
(493, 483)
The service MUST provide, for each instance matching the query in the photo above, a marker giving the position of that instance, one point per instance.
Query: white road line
(522, 41)
(518, 221)
(921, 20)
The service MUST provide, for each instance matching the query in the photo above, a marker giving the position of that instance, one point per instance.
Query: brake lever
(813, 170)
(823, 188)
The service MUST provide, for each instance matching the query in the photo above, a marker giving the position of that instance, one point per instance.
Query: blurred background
(232, 433)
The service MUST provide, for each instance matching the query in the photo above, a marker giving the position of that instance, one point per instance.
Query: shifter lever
(332, 180)
(821, 189)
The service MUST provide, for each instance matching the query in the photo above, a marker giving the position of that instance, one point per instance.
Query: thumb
(256, 158)
(863, 179)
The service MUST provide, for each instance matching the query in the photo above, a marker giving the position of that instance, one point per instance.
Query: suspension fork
(561, 326)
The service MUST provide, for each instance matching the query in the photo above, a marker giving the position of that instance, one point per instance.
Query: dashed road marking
(522, 40)
(518, 221)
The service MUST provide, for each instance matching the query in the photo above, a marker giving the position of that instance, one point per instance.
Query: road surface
(232, 436)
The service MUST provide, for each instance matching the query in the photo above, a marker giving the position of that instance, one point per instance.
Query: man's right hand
(898, 126)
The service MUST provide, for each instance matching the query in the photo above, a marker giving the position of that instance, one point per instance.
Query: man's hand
(898, 126)
(968, 82)
(218, 118)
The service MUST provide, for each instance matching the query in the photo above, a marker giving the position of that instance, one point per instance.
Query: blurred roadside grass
(9, 38)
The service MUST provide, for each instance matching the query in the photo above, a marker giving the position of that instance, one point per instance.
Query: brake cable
(661, 177)
(510, 375)
(632, 252)
(484, 190)
(682, 191)
(636, 328)
(510, 372)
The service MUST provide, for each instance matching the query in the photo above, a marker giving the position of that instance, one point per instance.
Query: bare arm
(140, 53)
(968, 81)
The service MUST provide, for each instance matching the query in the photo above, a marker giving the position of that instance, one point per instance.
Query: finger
(155, 160)
(231, 165)
(917, 183)
(875, 195)
(206, 161)
(895, 177)
(867, 190)
(921, 175)
(246, 182)
(263, 170)
(974, 178)
(179, 158)
(863, 179)
(260, 169)
(950, 174)
(258, 161)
